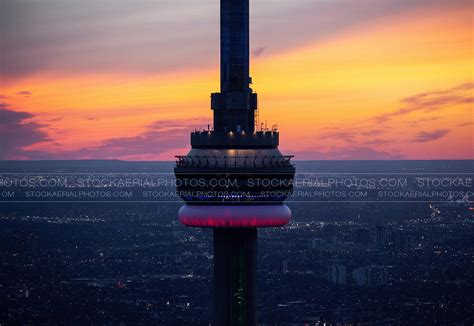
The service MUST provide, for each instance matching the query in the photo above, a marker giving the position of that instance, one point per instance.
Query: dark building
(380, 237)
(233, 160)
(315, 244)
(330, 232)
(362, 237)
(371, 276)
(399, 240)
(337, 274)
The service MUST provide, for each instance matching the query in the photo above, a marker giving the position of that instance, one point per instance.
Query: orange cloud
(328, 98)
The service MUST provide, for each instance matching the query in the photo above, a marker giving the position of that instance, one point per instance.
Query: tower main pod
(234, 179)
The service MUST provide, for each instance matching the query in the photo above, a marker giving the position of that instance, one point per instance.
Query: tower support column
(235, 253)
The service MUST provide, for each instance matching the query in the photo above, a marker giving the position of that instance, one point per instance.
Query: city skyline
(379, 80)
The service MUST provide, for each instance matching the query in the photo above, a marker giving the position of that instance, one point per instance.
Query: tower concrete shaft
(235, 255)
(234, 46)
(234, 107)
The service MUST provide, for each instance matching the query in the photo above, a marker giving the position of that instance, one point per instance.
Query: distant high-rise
(362, 237)
(398, 240)
(380, 236)
(337, 274)
(229, 164)
(285, 266)
(330, 233)
(315, 244)
(371, 276)
(360, 276)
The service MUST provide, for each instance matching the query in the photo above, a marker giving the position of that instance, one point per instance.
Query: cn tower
(234, 179)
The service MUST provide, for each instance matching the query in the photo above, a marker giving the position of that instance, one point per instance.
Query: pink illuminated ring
(228, 216)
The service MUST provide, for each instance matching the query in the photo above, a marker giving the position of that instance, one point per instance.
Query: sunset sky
(343, 79)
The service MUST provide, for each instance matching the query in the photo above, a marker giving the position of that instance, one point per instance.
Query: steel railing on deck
(234, 161)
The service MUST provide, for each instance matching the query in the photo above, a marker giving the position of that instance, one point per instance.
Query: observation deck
(246, 162)
(235, 139)
(256, 179)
